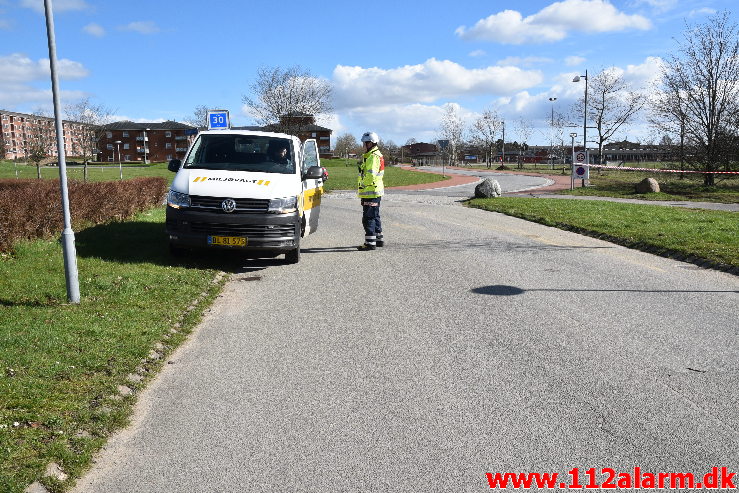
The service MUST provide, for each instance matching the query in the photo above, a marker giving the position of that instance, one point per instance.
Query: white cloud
(703, 11)
(17, 68)
(59, 5)
(18, 73)
(94, 30)
(477, 53)
(553, 23)
(424, 83)
(659, 5)
(572, 61)
(142, 27)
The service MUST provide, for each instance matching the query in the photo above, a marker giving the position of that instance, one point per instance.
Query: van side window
(311, 156)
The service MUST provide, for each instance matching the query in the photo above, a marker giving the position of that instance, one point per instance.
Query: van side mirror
(174, 165)
(313, 173)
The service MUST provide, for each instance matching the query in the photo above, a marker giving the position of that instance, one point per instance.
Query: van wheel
(293, 256)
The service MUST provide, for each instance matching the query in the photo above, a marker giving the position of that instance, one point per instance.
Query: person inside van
(278, 153)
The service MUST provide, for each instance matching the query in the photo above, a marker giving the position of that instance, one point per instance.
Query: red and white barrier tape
(662, 170)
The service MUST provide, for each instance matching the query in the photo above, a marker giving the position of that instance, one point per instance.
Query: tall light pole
(68, 248)
(584, 114)
(572, 160)
(120, 166)
(551, 137)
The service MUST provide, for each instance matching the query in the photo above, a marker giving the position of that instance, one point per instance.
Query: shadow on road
(502, 290)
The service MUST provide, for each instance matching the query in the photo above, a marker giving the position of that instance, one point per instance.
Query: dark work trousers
(371, 221)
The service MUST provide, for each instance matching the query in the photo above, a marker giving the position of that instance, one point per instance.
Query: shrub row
(31, 209)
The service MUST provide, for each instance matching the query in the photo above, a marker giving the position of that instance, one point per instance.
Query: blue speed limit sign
(218, 120)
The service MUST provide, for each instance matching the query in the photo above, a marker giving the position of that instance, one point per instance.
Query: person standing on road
(370, 189)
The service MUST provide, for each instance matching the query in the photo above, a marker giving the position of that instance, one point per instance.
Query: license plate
(235, 241)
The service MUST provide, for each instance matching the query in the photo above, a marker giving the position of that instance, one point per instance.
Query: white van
(245, 190)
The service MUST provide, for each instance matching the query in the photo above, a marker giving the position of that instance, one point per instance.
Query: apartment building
(144, 142)
(21, 133)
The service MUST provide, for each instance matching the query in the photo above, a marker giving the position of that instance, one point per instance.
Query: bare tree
(700, 93)
(282, 98)
(40, 144)
(346, 144)
(451, 131)
(611, 105)
(524, 129)
(92, 117)
(390, 151)
(199, 117)
(483, 134)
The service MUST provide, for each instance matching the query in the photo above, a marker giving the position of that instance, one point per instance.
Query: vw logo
(228, 205)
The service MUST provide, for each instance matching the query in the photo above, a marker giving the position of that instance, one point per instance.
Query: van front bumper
(263, 231)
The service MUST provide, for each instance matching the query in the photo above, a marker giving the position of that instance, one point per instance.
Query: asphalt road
(472, 343)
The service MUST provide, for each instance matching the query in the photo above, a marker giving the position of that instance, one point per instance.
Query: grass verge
(95, 172)
(693, 234)
(66, 370)
(346, 178)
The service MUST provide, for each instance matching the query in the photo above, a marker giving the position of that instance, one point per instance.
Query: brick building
(158, 142)
(21, 132)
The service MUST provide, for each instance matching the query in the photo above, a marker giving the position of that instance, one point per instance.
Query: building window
(127, 157)
(169, 157)
(110, 147)
(110, 159)
(168, 134)
(168, 145)
(109, 135)
(125, 134)
(126, 146)
(313, 134)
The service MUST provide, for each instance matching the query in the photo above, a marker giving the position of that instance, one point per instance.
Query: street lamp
(584, 113)
(145, 145)
(551, 137)
(120, 166)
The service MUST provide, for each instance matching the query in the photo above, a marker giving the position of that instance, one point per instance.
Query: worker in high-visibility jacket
(370, 189)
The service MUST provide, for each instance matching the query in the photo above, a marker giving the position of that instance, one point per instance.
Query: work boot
(366, 247)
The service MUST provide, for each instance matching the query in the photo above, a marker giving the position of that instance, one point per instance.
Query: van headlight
(283, 205)
(178, 200)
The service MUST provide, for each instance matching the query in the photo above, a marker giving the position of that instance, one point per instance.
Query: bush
(31, 209)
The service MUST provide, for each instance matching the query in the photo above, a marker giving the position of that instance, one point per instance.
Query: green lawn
(61, 364)
(705, 234)
(95, 172)
(345, 178)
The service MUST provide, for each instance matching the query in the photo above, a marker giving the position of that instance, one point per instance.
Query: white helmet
(370, 137)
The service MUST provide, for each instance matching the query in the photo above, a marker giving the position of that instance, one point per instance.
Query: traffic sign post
(580, 168)
(218, 120)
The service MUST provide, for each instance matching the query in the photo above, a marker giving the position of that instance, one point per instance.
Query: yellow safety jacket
(371, 171)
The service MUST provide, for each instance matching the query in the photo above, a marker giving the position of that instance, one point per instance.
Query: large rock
(647, 185)
(487, 189)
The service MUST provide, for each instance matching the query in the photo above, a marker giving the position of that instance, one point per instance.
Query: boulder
(487, 189)
(647, 185)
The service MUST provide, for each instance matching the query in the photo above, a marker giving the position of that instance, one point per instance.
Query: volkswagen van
(245, 190)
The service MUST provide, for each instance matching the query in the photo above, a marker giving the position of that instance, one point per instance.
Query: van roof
(257, 133)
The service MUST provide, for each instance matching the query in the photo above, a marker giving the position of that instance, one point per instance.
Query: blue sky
(394, 64)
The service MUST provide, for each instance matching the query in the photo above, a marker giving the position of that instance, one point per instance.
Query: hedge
(31, 209)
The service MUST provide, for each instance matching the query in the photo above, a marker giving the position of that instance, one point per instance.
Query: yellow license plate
(235, 241)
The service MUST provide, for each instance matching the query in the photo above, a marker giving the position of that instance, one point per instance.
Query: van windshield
(242, 153)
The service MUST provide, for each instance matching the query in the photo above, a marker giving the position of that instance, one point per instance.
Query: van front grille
(243, 206)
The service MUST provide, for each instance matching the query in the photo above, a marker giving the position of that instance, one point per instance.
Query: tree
(451, 131)
(390, 151)
(699, 94)
(524, 129)
(93, 117)
(281, 98)
(346, 144)
(612, 104)
(483, 134)
(199, 117)
(42, 142)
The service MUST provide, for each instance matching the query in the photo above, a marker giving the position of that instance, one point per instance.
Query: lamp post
(145, 145)
(584, 114)
(120, 166)
(551, 137)
(572, 160)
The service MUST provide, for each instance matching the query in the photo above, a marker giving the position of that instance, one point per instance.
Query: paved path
(465, 179)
